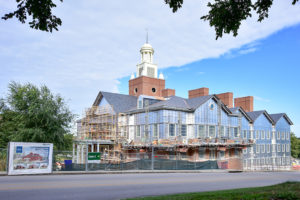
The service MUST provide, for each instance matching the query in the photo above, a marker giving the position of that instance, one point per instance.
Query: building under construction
(153, 123)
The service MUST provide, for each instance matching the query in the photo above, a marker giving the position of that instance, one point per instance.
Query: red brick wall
(198, 92)
(245, 102)
(144, 86)
(226, 98)
(168, 92)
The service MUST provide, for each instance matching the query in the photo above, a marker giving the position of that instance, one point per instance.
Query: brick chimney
(198, 92)
(168, 92)
(245, 102)
(226, 98)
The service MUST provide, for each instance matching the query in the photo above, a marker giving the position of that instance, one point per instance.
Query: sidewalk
(129, 172)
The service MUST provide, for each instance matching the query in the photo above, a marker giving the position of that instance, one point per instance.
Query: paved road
(119, 186)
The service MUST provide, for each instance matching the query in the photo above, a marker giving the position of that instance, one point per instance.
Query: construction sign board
(29, 158)
(94, 157)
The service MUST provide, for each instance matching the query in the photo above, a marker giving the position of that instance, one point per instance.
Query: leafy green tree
(32, 114)
(226, 15)
(295, 146)
(40, 11)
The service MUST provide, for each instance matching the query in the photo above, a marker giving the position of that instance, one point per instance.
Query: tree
(226, 15)
(295, 146)
(41, 12)
(32, 114)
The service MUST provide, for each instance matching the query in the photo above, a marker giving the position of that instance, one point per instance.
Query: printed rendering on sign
(30, 158)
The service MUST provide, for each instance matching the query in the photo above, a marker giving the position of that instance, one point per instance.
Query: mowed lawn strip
(287, 190)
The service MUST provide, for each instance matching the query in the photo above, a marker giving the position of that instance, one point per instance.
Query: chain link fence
(65, 161)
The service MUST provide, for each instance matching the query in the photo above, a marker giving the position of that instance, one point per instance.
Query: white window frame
(278, 135)
(287, 147)
(183, 125)
(209, 131)
(198, 131)
(268, 148)
(257, 135)
(274, 148)
(278, 147)
(222, 131)
(268, 134)
(282, 148)
(156, 133)
(283, 135)
(287, 135)
(138, 131)
(262, 133)
(262, 148)
(174, 130)
(236, 134)
(257, 148)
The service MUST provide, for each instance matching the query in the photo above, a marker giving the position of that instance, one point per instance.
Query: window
(236, 132)
(155, 130)
(140, 105)
(221, 154)
(263, 148)
(201, 131)
(212, 154)
(287, 135)
(268, 135)
(287, 147)
(273, 148)
(138, 131)
(228, 132)
(278, 147)
(257, 134)
(171, 130)
(268, 148)
(283, 160)
(183, 130)
(262, 134)
(282, 148)
(201, 153)
(278, 135)
(245, 134)
(212, 131)
(282, 135)
(222, 131)
(257, 148)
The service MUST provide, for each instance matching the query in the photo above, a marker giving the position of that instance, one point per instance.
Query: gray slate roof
(120, 102)
(255, 114)
(276, 117)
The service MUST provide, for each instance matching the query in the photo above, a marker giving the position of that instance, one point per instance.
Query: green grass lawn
(288, 190)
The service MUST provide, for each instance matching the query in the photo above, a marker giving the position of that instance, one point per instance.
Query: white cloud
(99, 43)
(261, 99)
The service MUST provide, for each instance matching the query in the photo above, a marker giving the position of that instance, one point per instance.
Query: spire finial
(147, 35)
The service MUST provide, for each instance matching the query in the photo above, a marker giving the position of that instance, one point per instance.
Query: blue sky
(97, 48)
(268, 69)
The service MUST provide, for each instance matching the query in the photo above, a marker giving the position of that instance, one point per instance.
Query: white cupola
(146, 67)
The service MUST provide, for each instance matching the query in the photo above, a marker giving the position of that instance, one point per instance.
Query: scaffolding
(98, 123)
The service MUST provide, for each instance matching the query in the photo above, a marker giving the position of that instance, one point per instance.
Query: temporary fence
(63, 161)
